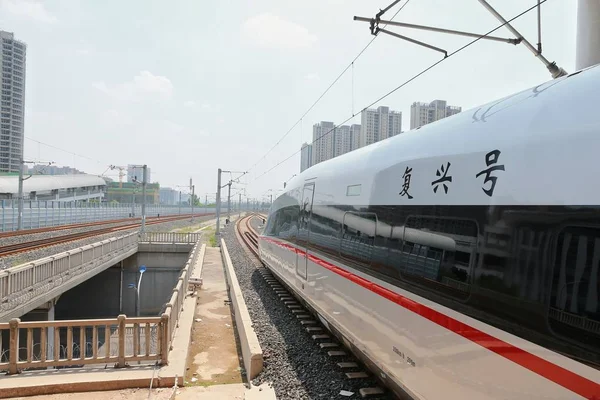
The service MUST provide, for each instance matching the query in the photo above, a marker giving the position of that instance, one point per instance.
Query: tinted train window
(513, 264)
(438, 253)
(574, 300)
(325, 226)
(283, 222)
(358, 236)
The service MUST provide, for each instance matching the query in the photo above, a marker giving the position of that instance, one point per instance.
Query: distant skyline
(190, 87)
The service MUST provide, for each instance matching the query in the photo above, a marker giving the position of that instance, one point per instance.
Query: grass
(212, 240)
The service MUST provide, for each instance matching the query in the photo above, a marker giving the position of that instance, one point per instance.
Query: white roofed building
(64, 188)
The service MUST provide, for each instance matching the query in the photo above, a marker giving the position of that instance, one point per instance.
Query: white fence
(40, 214)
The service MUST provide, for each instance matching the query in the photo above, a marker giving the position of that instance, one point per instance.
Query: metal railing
(23, 283)
(80, 342)
(170, 237)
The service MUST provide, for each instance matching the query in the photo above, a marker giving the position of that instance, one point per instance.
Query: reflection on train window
(574, 301)
(512, 265)
(438, 253)
(325, 229)
(358, 236)
(283, 223)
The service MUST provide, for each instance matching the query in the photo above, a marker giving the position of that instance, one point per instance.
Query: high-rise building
(305, 156)
(168, 196)
(137, 173)
(423, 113)
(329, 141)
(41, 169)
(12, 102)
(379, 124)
(355, 134)
(323, 146)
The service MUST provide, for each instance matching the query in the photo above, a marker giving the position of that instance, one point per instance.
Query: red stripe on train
(565, 378)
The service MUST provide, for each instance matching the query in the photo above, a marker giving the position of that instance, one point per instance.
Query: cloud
(143, 85)
(312, 77)
(189, 103)
(30, 9)
(270, 31)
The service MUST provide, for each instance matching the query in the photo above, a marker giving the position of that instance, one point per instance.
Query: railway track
(84, 225)
(352, 368)
(248, 234)
(36, 244)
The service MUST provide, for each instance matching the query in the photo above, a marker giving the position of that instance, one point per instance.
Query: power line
(351, 65)
(66, 151)
(410, 80)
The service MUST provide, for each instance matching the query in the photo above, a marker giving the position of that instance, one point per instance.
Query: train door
(304, 227)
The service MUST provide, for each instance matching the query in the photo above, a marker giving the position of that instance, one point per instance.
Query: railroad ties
(351, 369)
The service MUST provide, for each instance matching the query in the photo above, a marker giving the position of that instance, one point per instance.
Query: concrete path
(213, 357)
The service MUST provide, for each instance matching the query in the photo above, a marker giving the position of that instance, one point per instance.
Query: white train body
(485, 286)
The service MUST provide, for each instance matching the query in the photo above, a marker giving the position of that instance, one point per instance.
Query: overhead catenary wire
(350, 65)
(63, 150)
(410, 80)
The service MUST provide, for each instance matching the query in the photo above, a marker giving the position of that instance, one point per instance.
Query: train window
(305, 213)
(358, 236)
(513, 265)
(438, 253)
(283, 222)
(353, 190)
(325, 229)
(574, 301)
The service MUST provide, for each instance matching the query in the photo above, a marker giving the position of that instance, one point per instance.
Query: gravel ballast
(295, 365)
(21, 258)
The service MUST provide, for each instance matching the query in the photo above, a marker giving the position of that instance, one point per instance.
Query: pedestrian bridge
(32, 285)
(66, 343)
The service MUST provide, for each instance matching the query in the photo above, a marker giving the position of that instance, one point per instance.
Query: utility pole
(193, 200)
(229, 201)
(218, 205)
(20, 199)
(144, 198)
(219, 187)
(180, 202)
(240, 205)
(20, 196)
(133, 201)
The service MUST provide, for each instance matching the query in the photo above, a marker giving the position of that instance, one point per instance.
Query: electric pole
(144, 182)
(218, 205)
(229, 201)
(219, 187)
(193, 200)
(20, 198)
(240, 205)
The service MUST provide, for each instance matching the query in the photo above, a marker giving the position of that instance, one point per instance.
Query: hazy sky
(187, 86)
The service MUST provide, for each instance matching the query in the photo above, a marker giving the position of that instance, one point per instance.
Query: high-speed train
(460, 260)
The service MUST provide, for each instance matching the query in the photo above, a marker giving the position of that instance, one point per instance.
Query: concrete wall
(99, 297)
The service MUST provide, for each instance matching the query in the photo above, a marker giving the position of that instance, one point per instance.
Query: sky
(190, 86)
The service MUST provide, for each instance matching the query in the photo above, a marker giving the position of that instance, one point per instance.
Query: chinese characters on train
(444, 177)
